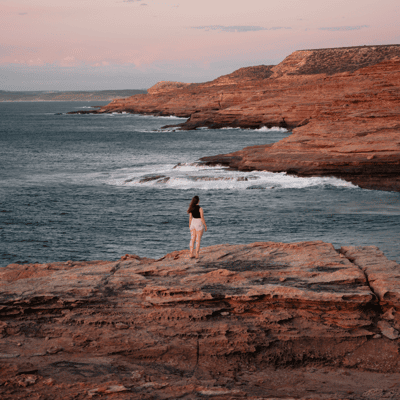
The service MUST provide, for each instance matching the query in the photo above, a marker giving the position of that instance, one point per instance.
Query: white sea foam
(276, 128)
(160, 116)
(262, 129)
(198, 176)
(165, 130)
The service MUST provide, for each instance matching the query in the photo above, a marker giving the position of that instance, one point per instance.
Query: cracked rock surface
(263, 320)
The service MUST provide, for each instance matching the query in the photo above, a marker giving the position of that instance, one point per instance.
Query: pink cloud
(121, 32)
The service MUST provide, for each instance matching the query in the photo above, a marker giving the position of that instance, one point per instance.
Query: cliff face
(343, 106)
(227, 325)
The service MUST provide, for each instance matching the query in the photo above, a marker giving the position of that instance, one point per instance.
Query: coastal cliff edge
(264, 320)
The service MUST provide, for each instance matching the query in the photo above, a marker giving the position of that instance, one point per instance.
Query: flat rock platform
(258, 321)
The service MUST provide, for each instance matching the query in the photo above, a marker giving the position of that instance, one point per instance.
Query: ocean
(95, 187)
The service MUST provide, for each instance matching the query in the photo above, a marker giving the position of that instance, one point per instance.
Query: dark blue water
(86, 187)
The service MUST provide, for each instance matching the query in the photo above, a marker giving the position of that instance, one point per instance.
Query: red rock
(54, 350)
(387, 330)
(166, 86)
(121, 326)
(204, 328)
(341, 104)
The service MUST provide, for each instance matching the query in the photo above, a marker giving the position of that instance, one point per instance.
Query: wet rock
(164, 180)
(149, 178)
(256, 187)
(208, 178)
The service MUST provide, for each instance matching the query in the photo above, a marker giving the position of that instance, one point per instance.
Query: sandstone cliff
(342, 104)
(265, 320)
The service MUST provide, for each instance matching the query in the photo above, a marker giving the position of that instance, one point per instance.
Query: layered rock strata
(264, 320)
(342, 105)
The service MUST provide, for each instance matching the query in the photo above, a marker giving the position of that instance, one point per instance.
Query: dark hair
(193, 203)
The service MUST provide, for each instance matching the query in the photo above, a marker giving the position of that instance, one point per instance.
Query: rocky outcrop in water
(342, 105)
(264, 320)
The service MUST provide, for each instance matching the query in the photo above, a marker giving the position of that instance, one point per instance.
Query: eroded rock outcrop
(342, 105)
(259, 320)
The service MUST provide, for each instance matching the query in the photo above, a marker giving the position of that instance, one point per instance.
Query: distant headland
(80, 95)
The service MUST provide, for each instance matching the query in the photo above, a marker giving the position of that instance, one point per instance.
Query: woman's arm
(202, 219)
(190, 219)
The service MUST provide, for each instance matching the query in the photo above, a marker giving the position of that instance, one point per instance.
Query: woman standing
(197, 225)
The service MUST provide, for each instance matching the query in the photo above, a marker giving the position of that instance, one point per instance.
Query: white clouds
(135, 2)
(344, 28)
(238, 28)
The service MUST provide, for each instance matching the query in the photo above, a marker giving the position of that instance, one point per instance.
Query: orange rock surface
(342, 105)
(264, 320)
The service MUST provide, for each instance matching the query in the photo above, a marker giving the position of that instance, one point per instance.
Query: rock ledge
(243, 320)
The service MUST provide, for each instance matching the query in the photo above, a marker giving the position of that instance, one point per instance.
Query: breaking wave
(275, 129)
(262, 129)
(195, 175)
(143, 116)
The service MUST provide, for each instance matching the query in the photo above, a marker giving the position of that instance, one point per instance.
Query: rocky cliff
(264, 320)
(342, 105)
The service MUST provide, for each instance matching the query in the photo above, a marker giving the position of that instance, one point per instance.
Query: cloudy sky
(132, 44)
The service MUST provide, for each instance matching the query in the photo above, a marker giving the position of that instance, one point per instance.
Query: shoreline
(341, 105)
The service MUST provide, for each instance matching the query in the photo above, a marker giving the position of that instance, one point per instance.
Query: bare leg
(199, 234)
(192, 239)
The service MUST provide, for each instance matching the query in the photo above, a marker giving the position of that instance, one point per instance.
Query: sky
(133, 44)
